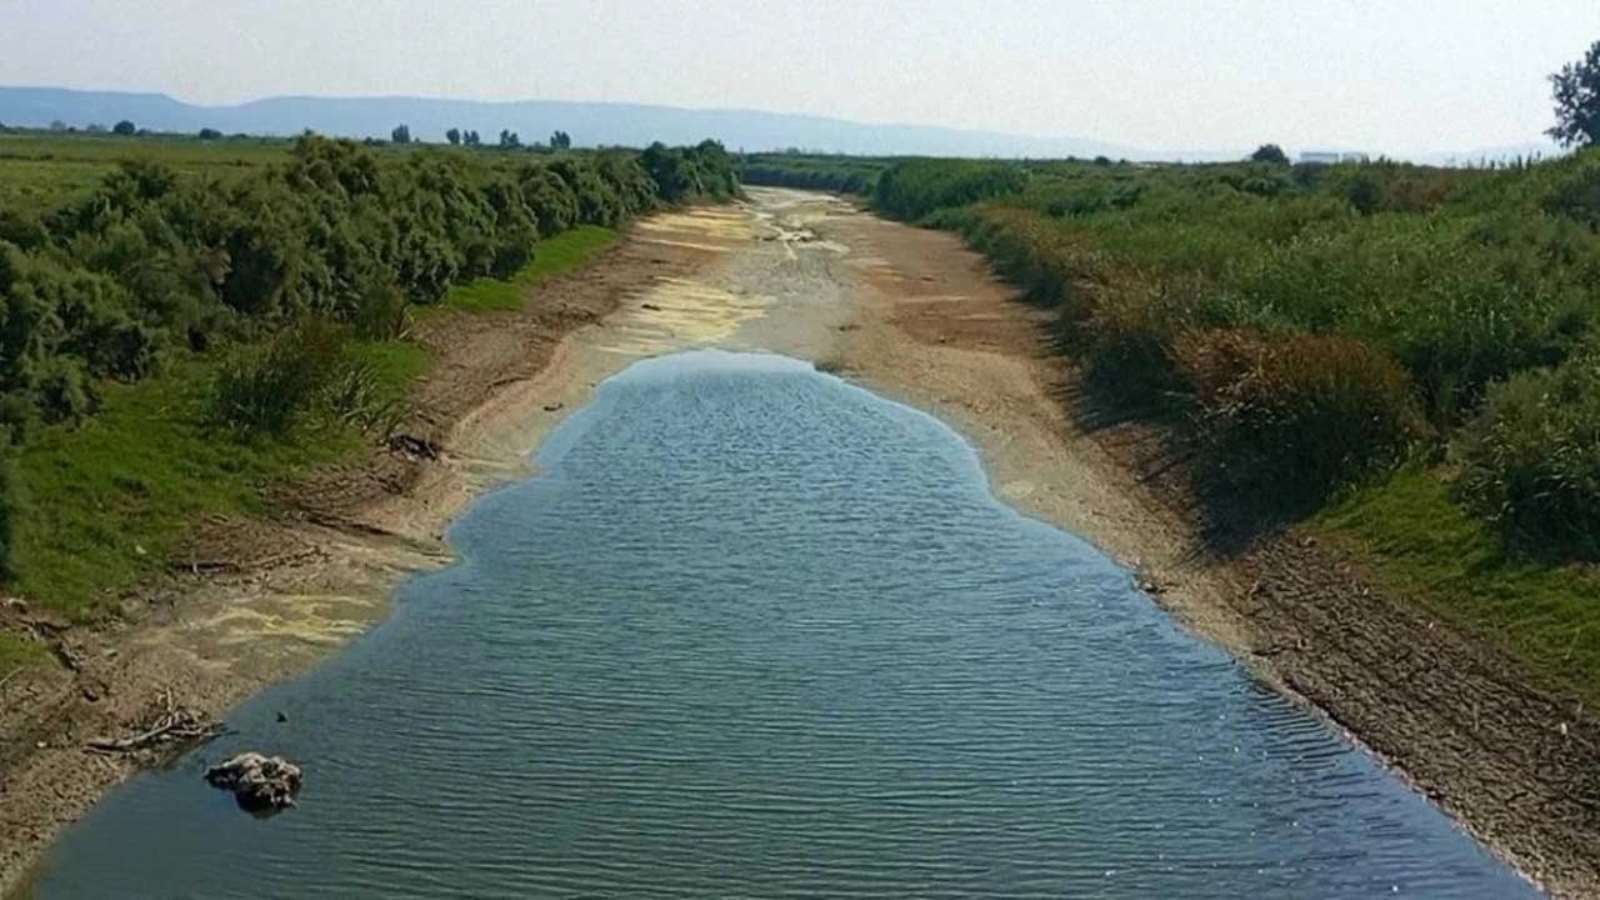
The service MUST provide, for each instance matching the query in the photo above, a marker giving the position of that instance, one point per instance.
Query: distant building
(1331, 158)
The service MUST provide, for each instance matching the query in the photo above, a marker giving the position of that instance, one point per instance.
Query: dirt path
(909, 313)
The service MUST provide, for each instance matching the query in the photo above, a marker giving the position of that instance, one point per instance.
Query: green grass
(40, 171)
(106, 502)
(16, 652)
(1421, 544)
(396, 363)
(552, 256)
(38, 186)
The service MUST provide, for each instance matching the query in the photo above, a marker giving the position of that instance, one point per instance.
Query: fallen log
(177, 725)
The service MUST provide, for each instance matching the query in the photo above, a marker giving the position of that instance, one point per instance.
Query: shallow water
(754, 631)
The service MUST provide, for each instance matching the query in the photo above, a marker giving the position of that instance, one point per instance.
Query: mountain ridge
(590, 122)
(604, 123)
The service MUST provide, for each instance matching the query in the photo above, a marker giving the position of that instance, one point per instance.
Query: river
(754, 631)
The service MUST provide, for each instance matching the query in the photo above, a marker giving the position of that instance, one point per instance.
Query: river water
(756, 632)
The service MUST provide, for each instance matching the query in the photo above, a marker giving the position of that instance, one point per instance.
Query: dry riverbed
(906, 312)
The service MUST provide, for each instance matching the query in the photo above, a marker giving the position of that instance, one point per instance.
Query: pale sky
(1387, 76)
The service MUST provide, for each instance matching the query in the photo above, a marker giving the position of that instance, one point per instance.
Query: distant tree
(58, 125)
(560, 141)
(1576, 90)
(471, 139)
(401, 134)
(1270, 153)
(94, 128)
(453, 136)
(210, 134)
(1102, 160)
(509, 140)
(125, 128)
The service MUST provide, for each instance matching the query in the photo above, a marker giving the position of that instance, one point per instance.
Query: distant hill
(589, 124)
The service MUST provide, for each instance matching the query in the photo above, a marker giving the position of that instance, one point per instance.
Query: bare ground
(907, 312)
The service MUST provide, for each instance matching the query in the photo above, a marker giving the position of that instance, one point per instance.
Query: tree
(1576, 91)
(1270, 153)
(210, 134)
(560, 140)
(453, 136)
(401, 134)
(471, 139)
(125, 128)
(509, 140)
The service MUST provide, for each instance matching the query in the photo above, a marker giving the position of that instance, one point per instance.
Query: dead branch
(178, 725)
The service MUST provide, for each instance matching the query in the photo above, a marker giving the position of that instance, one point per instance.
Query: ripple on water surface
(756, 632)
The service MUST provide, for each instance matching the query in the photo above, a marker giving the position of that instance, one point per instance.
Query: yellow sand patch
(327, 621)
(675, 313)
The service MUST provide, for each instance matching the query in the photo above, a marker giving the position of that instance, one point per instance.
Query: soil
(909, 313)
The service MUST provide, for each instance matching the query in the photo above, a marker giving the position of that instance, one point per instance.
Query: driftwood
(413, 447)
(177, 725)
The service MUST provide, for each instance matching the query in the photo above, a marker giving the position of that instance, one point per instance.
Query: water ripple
(754, 632)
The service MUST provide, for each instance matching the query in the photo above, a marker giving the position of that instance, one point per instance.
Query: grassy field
(1423, 546)
(41, 171)
(104, 503)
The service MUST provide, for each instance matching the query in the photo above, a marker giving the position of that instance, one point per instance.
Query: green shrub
(844, 174)
(267, 388)
(915, 188)
(381, 313)
(1577, 197)
(1297, 415)
(355, 394)
(9, 503)
(1127, 338)
(1531, 460)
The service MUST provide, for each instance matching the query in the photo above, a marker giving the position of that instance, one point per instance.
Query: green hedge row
(154, 263)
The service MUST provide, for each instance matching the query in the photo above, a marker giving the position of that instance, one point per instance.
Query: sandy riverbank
(906, 312)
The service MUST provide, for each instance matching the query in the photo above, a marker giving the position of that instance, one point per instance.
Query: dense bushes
(704, 170)
(915, 188)
(1531, 460)
(1297, 415)
(154, 263)
(843, 174)
(1318, 321)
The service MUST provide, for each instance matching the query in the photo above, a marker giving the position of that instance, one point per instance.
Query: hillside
(591, 124)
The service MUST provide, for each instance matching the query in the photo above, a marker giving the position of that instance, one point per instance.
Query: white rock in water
(260, 783)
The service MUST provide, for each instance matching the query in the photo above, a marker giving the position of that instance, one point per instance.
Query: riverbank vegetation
(1406, 358)
(192, 326)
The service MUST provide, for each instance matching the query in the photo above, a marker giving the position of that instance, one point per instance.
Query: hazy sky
(1396, 76)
